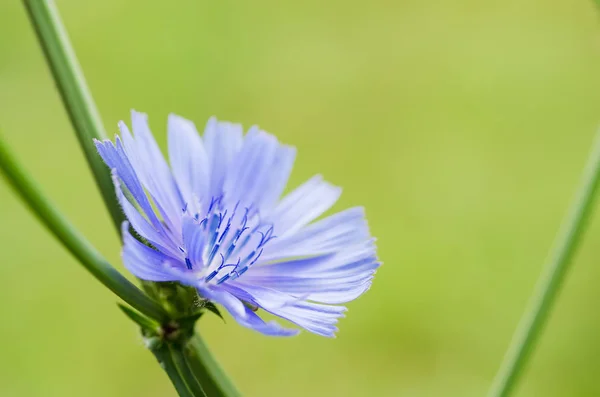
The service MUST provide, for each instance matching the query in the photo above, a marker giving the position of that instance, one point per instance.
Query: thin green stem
(214, 381)
(74, 92)
(71, 239)
(550, 281)
(86, 121)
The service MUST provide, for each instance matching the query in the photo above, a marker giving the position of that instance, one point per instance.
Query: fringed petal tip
(243, 314)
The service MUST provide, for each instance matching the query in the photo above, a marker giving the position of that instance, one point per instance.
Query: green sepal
(213, 309)
(186, 324)
(149, 327)
(178, 300)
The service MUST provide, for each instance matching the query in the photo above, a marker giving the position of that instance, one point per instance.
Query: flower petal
(303, 205)
(144, 262)
(189, 159)
(193, 239)
(114, 156)
(267, 298)
(244, 315)
(222, 141)
(319, 319)
(158, 236)
(251, 169)
(333, 279)
(334, 233)
(277, 177)
(152, 168)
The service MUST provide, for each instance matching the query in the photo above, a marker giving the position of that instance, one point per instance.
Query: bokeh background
(462, 126)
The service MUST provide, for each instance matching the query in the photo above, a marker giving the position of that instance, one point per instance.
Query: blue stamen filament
(216, 226)
(213, 252)
(211, 275)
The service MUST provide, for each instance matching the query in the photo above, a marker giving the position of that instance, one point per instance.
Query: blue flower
(215, 221)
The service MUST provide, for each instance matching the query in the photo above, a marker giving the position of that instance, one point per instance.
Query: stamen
(224, 278)
(203, 223)
(225, 231)
(215, 228)
(211, 275)
(212, 254)
(266, 237)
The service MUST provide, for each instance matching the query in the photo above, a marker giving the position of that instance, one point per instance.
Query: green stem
(186, 372)
(207, 369)
(72, 239)
(163, 354)
(75, 94)
(551, 279)
(86, 121)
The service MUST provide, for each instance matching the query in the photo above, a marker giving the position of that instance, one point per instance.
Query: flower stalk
(72, 240)
(74, 93)
(551, 279)
(171, 361)
(87, 124)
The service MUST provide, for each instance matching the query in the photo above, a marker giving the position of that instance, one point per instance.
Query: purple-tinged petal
(114, 156)
(271, 328)
(278, 176)
(334, 233)
(319, 319)
(194, 241)
(188, 158)
(152, 168)
(159, 196)
(242, 314)
(223, 142)
(267, 298)
(355, 259)
(303, 205)
(224, 298)
(144, 262)
(334, 278)
(250, 169)
(326, 290)
(157, 236)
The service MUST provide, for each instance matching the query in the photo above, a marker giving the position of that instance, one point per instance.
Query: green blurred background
(462, 126)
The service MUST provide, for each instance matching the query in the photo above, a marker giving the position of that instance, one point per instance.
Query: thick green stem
(163, 354)
(214, 381)
(74, 92)
(550, 281)
(186, 371)
(72, 239)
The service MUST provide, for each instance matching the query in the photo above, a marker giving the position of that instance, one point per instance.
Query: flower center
(228, 241)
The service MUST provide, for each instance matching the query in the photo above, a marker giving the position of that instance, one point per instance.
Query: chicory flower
(213, 218)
